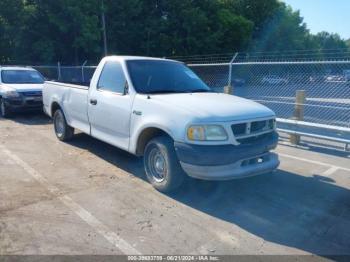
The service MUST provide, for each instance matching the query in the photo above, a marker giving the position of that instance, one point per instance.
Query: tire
(4, 110)
(63, 131)
(162, 166)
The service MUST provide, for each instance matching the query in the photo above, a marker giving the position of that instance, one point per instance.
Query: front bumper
(236, 170)
(23, 104)
(228, 161)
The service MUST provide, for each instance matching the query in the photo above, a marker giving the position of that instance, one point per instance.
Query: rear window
(21, 77)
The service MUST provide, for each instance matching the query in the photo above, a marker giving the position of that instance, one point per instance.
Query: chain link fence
(310, 98)
(314, 93)
(67, 74)
(275, 84)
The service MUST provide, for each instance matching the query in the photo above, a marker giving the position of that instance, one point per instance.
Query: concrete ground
(86, 197)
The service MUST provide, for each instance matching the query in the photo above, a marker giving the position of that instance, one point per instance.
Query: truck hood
(215, 107)
(25, 87)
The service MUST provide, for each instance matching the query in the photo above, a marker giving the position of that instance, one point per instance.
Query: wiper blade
(200, 91)
(162, 92)
(178, 91)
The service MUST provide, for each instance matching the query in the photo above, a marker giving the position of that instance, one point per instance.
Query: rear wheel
(63, 131)
(162, 167)
(4, 110)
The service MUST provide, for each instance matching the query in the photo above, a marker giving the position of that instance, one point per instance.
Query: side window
(112, 78)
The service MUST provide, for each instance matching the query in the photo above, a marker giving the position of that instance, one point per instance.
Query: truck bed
(81, 85)
(75, 101)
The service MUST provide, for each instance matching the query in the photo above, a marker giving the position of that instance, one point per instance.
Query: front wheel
(4, 110)
(162, 167)
(63, 131)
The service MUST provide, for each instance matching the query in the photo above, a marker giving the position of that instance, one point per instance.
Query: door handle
(93, 102)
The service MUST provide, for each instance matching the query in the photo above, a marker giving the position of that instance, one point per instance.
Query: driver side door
(110, 106)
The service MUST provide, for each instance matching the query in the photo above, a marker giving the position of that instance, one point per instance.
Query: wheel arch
(146, 135)
(54, 107)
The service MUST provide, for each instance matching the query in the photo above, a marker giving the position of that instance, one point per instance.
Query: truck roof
(16, 68)
(115, 57)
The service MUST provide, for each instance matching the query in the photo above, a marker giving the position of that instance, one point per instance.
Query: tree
(50, 30)
(258, 12)
(329, 41)
(285, 30)
(46, 31)
(11, 13)
(174, 27)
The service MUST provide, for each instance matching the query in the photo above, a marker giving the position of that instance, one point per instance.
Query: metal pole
(82, 71)
(230, 73)
(58, 71)
(104, 29)
(228, 88)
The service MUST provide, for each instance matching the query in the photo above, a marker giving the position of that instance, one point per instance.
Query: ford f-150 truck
(20, 90)
(161, 110)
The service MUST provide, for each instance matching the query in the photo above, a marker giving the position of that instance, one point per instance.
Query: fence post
(229, 89)
(298, 114)
(58, 71)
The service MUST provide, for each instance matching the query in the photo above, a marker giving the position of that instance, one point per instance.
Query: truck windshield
(156, 76)
(21, 77)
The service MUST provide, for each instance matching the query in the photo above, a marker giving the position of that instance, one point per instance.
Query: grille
(16, 102)
(271, 123)
(253, 139)
(252, 129)
(239, 129)
(258, 126)
(34, 103)
(32, 93)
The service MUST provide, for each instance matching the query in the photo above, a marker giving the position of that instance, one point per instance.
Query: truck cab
(20, 90)
(162, 111)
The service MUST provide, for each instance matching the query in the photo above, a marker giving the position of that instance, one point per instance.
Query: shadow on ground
(323, 147)
(310, 213)
(29, 118)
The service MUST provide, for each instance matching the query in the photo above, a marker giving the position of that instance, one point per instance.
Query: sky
(325, 15)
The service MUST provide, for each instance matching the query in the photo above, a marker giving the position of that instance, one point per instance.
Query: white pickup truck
(161, 110)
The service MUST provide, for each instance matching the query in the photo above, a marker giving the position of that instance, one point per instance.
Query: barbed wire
(298, 55)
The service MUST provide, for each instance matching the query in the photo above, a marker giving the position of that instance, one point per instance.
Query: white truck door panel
(109, 108)
(76, 103)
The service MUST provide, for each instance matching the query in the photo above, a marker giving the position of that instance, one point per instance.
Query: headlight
(11, 93)
(206, 133)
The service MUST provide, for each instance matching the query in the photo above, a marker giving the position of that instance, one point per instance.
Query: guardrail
(320, 131)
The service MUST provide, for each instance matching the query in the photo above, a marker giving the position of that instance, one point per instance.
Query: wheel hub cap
(59, 125)
(157, 165)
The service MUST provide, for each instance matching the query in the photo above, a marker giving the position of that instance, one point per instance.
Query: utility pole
(104, 28)
(148, 37)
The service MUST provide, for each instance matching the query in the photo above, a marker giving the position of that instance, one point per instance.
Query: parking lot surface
(87, 197)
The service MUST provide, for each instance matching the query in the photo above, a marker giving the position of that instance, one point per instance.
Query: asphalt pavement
(87, 197)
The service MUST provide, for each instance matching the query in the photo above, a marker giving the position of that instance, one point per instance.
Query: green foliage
(47, 31)
(174, 27)
(328, 41)
(285, 30)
